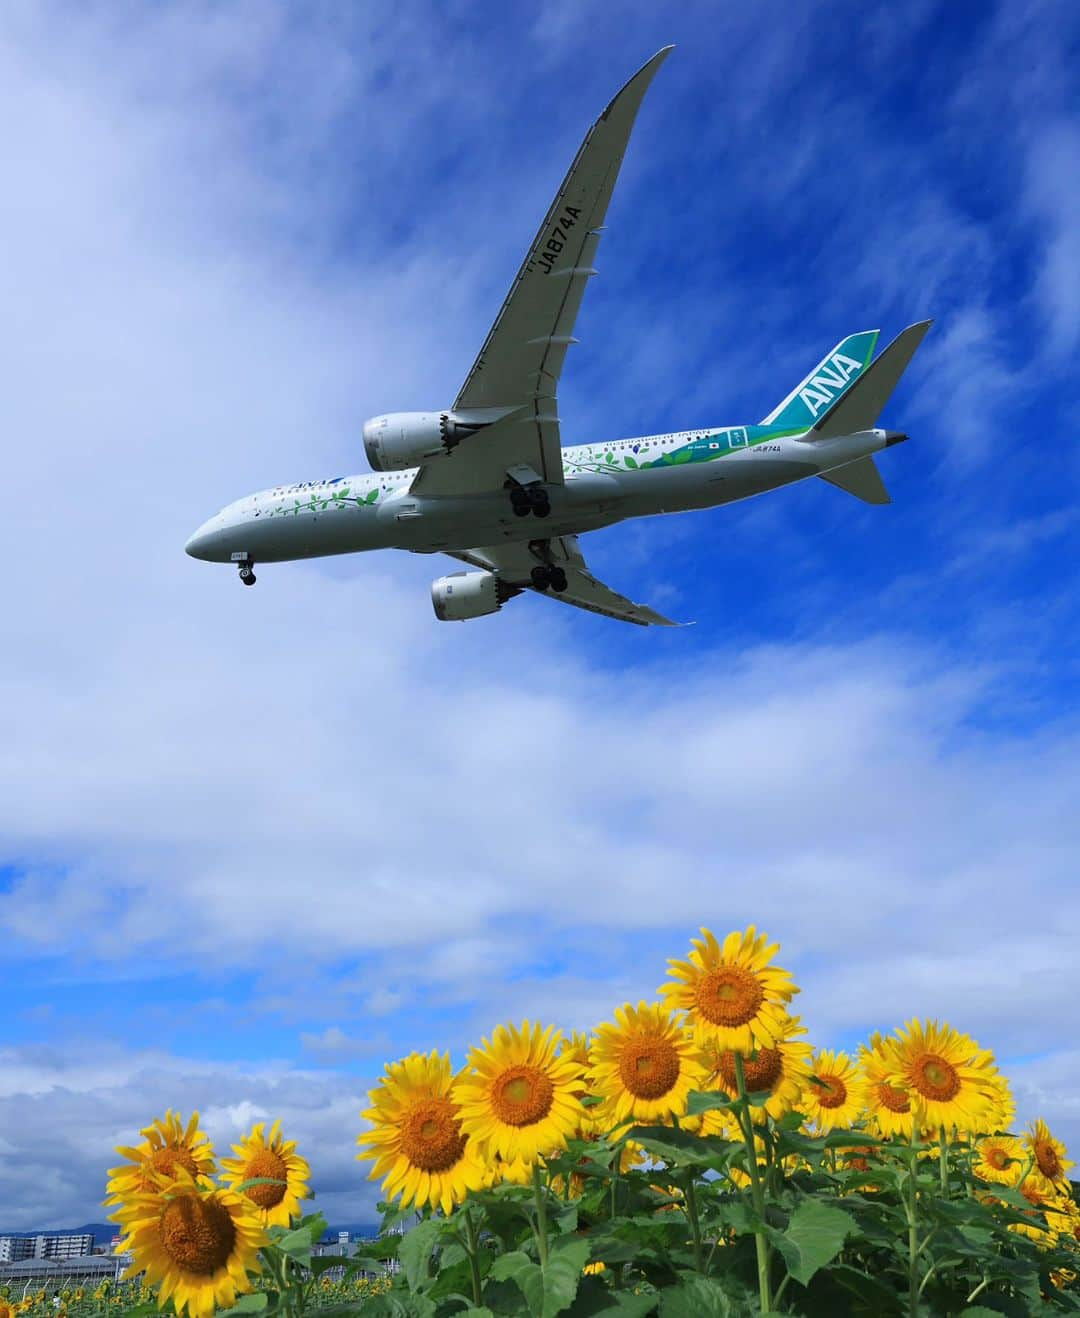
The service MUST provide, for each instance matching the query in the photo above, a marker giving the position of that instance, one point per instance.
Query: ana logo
(820, 390)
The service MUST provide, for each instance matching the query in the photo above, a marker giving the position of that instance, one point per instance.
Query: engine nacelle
(405, 439)
(464, 595)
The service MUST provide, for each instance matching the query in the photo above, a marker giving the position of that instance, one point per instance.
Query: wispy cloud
(285, 834)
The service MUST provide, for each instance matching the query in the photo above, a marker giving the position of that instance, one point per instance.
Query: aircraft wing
(513, 563)
(519, 365)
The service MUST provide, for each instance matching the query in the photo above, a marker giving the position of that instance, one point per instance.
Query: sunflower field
(693, 1156)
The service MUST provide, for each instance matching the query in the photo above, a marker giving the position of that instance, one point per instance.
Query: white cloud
(314, 774)
(88, 1100)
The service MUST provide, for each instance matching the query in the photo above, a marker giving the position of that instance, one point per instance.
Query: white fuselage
(604, 483)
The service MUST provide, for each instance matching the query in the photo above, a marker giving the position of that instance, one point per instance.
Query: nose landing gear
(245, 564)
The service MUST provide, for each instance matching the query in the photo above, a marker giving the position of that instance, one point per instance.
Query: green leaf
(630, 462)
(679, 1148)
(876, 1295)
(551, 1289)
(253, 1303)
(372, 496)
(415, 1254)
(297, 1244)
(695, 1297)
(814, 1236)
(701, 1100)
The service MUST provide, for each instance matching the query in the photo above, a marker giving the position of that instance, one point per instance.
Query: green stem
(761, 1244)
(541, 1216)
(943, 1159)
(910, 1206)
(472, 1248)
(981, 1287)
(781, 1289)
(695, 1221)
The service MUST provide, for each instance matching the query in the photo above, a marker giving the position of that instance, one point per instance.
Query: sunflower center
(729, 996)
(996, 1157)
(197, 1233)
(649, 1066)
(935, 1078)
(830, 1090)
(759, 1072)
(892, 1099)
(431, 1137)
(1048, 1160)
(522, 1095)
(168, 1159)
(270, 1164)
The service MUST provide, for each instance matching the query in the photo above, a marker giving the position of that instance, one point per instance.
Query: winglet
(639, 82)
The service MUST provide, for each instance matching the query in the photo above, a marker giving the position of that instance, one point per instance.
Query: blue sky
(254, 844)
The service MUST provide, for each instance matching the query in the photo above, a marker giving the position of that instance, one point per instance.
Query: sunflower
(169, 1147)
(731, 992)
(273, 1158)
(417, 1140)
(197, 1245)
(1002, 1111)
(7, 1310)
(888, 1107)
(575, 1045)
(780, 1071)
(519, 1098)
(999, 1159)
(950, 1075)
(1048, 1155)
(835, 1093)
(1037, 1227)
(1063, 1218)
(644, 1066)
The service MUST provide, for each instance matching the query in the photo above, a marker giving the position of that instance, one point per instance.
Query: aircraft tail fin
(859, 406)
(829, 381)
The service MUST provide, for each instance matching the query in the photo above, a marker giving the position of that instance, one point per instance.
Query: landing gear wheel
(558, 580)
(539, 500)
(247, 576)
(541, 576)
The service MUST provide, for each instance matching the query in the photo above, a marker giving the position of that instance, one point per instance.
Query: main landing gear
(526, 499)
(546, 575)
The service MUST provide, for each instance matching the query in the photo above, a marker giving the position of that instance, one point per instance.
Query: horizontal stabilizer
(860, 478)
(859, 408)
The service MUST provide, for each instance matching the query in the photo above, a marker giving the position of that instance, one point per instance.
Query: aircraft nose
(203, 543)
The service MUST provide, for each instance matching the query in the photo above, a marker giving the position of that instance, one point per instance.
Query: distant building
(343, 1241)
(13, 1249)
(49, 1274)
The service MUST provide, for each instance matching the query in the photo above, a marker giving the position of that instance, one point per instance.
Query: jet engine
(404, 439)
(464, 595)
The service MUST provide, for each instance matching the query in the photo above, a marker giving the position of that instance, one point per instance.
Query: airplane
(487, 481)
